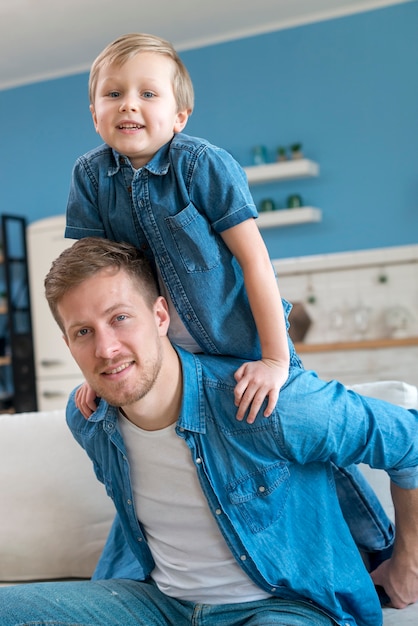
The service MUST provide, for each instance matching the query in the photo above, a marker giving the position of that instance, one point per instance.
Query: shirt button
(129, 502)
(139, 539)
(261, 489)
(199, 460)
(122, 161)
(129, 189)
(243, 557)
(273, 589)
(218, 512)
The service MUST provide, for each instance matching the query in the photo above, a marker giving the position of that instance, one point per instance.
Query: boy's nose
(129, 103)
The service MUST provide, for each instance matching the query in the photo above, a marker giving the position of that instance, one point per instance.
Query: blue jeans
(131, 603)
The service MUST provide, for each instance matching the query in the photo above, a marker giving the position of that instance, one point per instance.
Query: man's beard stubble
(118, 394)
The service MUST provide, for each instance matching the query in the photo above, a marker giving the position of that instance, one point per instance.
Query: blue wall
(346, 88)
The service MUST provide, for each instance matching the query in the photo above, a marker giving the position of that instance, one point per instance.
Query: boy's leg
(88, 603)
(370, 527)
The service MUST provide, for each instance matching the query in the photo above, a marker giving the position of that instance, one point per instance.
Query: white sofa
(56, 515)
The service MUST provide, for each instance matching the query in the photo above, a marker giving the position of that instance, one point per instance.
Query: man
(219, 522)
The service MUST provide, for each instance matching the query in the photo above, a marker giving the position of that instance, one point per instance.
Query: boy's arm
(399, 574)
(85, 400)
(259, 379)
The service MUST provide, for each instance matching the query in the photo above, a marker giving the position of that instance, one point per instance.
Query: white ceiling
(41, 39)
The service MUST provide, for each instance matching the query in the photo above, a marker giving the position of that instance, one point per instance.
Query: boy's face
(134, 109)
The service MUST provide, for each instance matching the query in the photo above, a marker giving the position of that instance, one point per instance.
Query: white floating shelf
(297, 168)
(287, 217)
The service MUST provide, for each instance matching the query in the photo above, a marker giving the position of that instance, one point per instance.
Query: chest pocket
(260, 496)
(196, 242)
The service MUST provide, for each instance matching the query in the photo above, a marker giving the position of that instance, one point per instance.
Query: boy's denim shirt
(174, 209)
(269, 485)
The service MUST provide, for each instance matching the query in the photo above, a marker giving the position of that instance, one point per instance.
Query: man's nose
(106, 344)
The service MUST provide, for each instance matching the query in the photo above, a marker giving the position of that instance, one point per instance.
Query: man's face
(114, 335)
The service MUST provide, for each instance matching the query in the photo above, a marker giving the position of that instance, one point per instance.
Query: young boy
(187, 205)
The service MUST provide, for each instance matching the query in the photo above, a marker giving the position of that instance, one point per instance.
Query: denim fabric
(174, 209)
(270, 485)
(130, 603)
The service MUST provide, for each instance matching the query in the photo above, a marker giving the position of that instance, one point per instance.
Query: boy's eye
(114, 94)
(147, 94)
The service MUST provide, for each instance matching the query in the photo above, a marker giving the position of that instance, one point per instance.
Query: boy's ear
(181, 120)
(93, 114)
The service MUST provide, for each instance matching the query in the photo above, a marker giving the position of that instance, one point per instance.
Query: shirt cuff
(406, 478)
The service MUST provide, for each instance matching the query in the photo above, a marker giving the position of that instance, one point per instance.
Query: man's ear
(181, 120)
(162, 315)
(93, 114)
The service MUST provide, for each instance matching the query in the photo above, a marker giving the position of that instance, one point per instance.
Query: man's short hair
(88, 256)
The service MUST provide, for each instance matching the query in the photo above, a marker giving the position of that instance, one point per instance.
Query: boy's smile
(135, 110)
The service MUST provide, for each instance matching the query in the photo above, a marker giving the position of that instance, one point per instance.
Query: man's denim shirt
(270, 485)
(174, 209)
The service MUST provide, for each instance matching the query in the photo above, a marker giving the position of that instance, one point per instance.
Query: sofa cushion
(55, 514)
(394, 391)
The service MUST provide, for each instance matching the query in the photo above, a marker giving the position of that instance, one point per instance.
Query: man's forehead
(103, 291)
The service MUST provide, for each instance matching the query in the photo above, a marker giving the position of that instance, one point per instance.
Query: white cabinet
(56, 371)
(285, 170)
(362, 365)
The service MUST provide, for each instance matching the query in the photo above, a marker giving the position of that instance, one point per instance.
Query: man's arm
(399, 574)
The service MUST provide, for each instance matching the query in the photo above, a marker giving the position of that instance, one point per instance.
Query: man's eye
(82, 332)
(120, 318)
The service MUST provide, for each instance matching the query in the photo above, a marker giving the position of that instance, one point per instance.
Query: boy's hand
(255, 381)
(85, 399)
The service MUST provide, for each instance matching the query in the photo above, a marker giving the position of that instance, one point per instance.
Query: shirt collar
(158, 165)
(192, 412)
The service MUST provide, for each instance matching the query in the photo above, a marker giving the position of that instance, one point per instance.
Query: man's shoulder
(81, 426)
(214, 370)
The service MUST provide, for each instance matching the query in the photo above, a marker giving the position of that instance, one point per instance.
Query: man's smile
(118, 369)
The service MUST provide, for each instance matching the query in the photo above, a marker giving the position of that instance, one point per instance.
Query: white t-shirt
(192, 559)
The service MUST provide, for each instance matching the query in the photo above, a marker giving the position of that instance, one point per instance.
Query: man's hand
(85, 399)
(399, 575)
(255, 381)
(399, 580)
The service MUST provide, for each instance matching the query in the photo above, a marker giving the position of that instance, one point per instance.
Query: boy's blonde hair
(127, 46)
